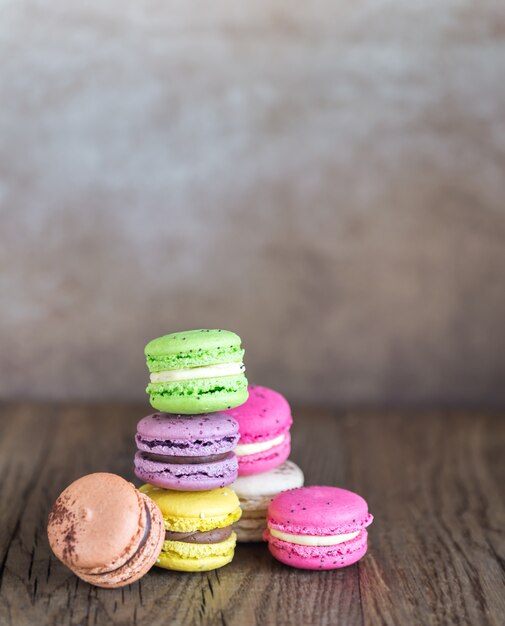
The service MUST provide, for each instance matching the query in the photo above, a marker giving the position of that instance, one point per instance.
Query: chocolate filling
(216, 535)
(191, 460)
(154, 443)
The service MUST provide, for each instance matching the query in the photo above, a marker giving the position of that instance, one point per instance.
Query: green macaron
(196, 371)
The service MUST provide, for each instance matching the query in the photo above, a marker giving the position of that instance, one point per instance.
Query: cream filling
(210, 371)
(243, 449)
(313, 540)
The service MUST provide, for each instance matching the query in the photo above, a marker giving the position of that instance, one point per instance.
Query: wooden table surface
(434, 482)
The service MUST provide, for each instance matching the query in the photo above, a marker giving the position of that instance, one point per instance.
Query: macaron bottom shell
(265, 461)
(250, 528)
(186, 477)
(185, 557)
(256, 492)
(193, 397)
(253, 521)
(318, 557)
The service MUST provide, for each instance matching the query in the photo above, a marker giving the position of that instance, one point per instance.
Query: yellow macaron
(199, 536)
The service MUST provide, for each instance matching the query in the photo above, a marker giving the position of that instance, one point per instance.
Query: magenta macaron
(264, 423)
(186, 452)
(318, 527)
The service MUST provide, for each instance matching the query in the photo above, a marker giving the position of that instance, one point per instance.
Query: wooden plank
(433, 481)
(437, 550)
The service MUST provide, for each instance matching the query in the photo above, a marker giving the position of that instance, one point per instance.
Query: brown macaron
(106, 531)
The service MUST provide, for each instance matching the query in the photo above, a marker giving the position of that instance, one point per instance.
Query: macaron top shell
(285, 476)
(188, 435)
(318, 510)
(195, 510)
(192, 504)
(97, 522)
(193, 348)
(265, 415)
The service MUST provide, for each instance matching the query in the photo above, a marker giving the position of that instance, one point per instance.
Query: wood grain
(434, 482)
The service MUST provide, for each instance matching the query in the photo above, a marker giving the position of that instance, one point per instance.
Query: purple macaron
(187, 452)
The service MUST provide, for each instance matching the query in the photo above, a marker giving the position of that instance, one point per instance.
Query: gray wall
(325, 178)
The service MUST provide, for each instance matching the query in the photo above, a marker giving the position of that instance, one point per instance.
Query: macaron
(186, 453)
(196, 371)
(264, 422)
(105, 531)
(198, 527)
(255, 492)
(318, 527)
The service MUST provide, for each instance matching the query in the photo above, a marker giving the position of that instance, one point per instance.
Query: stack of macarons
(214, 458)
(264, 446)
(186, 450)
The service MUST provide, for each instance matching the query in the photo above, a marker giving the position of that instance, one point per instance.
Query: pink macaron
(318, 527)
(264, 423)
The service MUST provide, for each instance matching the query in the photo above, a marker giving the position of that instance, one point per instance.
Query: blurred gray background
(325, 178)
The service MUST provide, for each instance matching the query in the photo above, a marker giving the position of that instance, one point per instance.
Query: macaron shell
(175, 562)
(97, 522)
(186, 476)
(265, 461)
(193, 505)
(199, 353)
(187, 511)
(265, 415)
(192, 435)
(318, 510)
(187, 557)
(320, 557)
(255, 507)
(194, 397)
(270, 483)
(142, 561)
(250, 527)
(192, 342)
(254, 504)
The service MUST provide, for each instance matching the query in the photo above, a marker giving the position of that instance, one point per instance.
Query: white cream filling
(243, 449)
(313, 540)
(210, 371)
